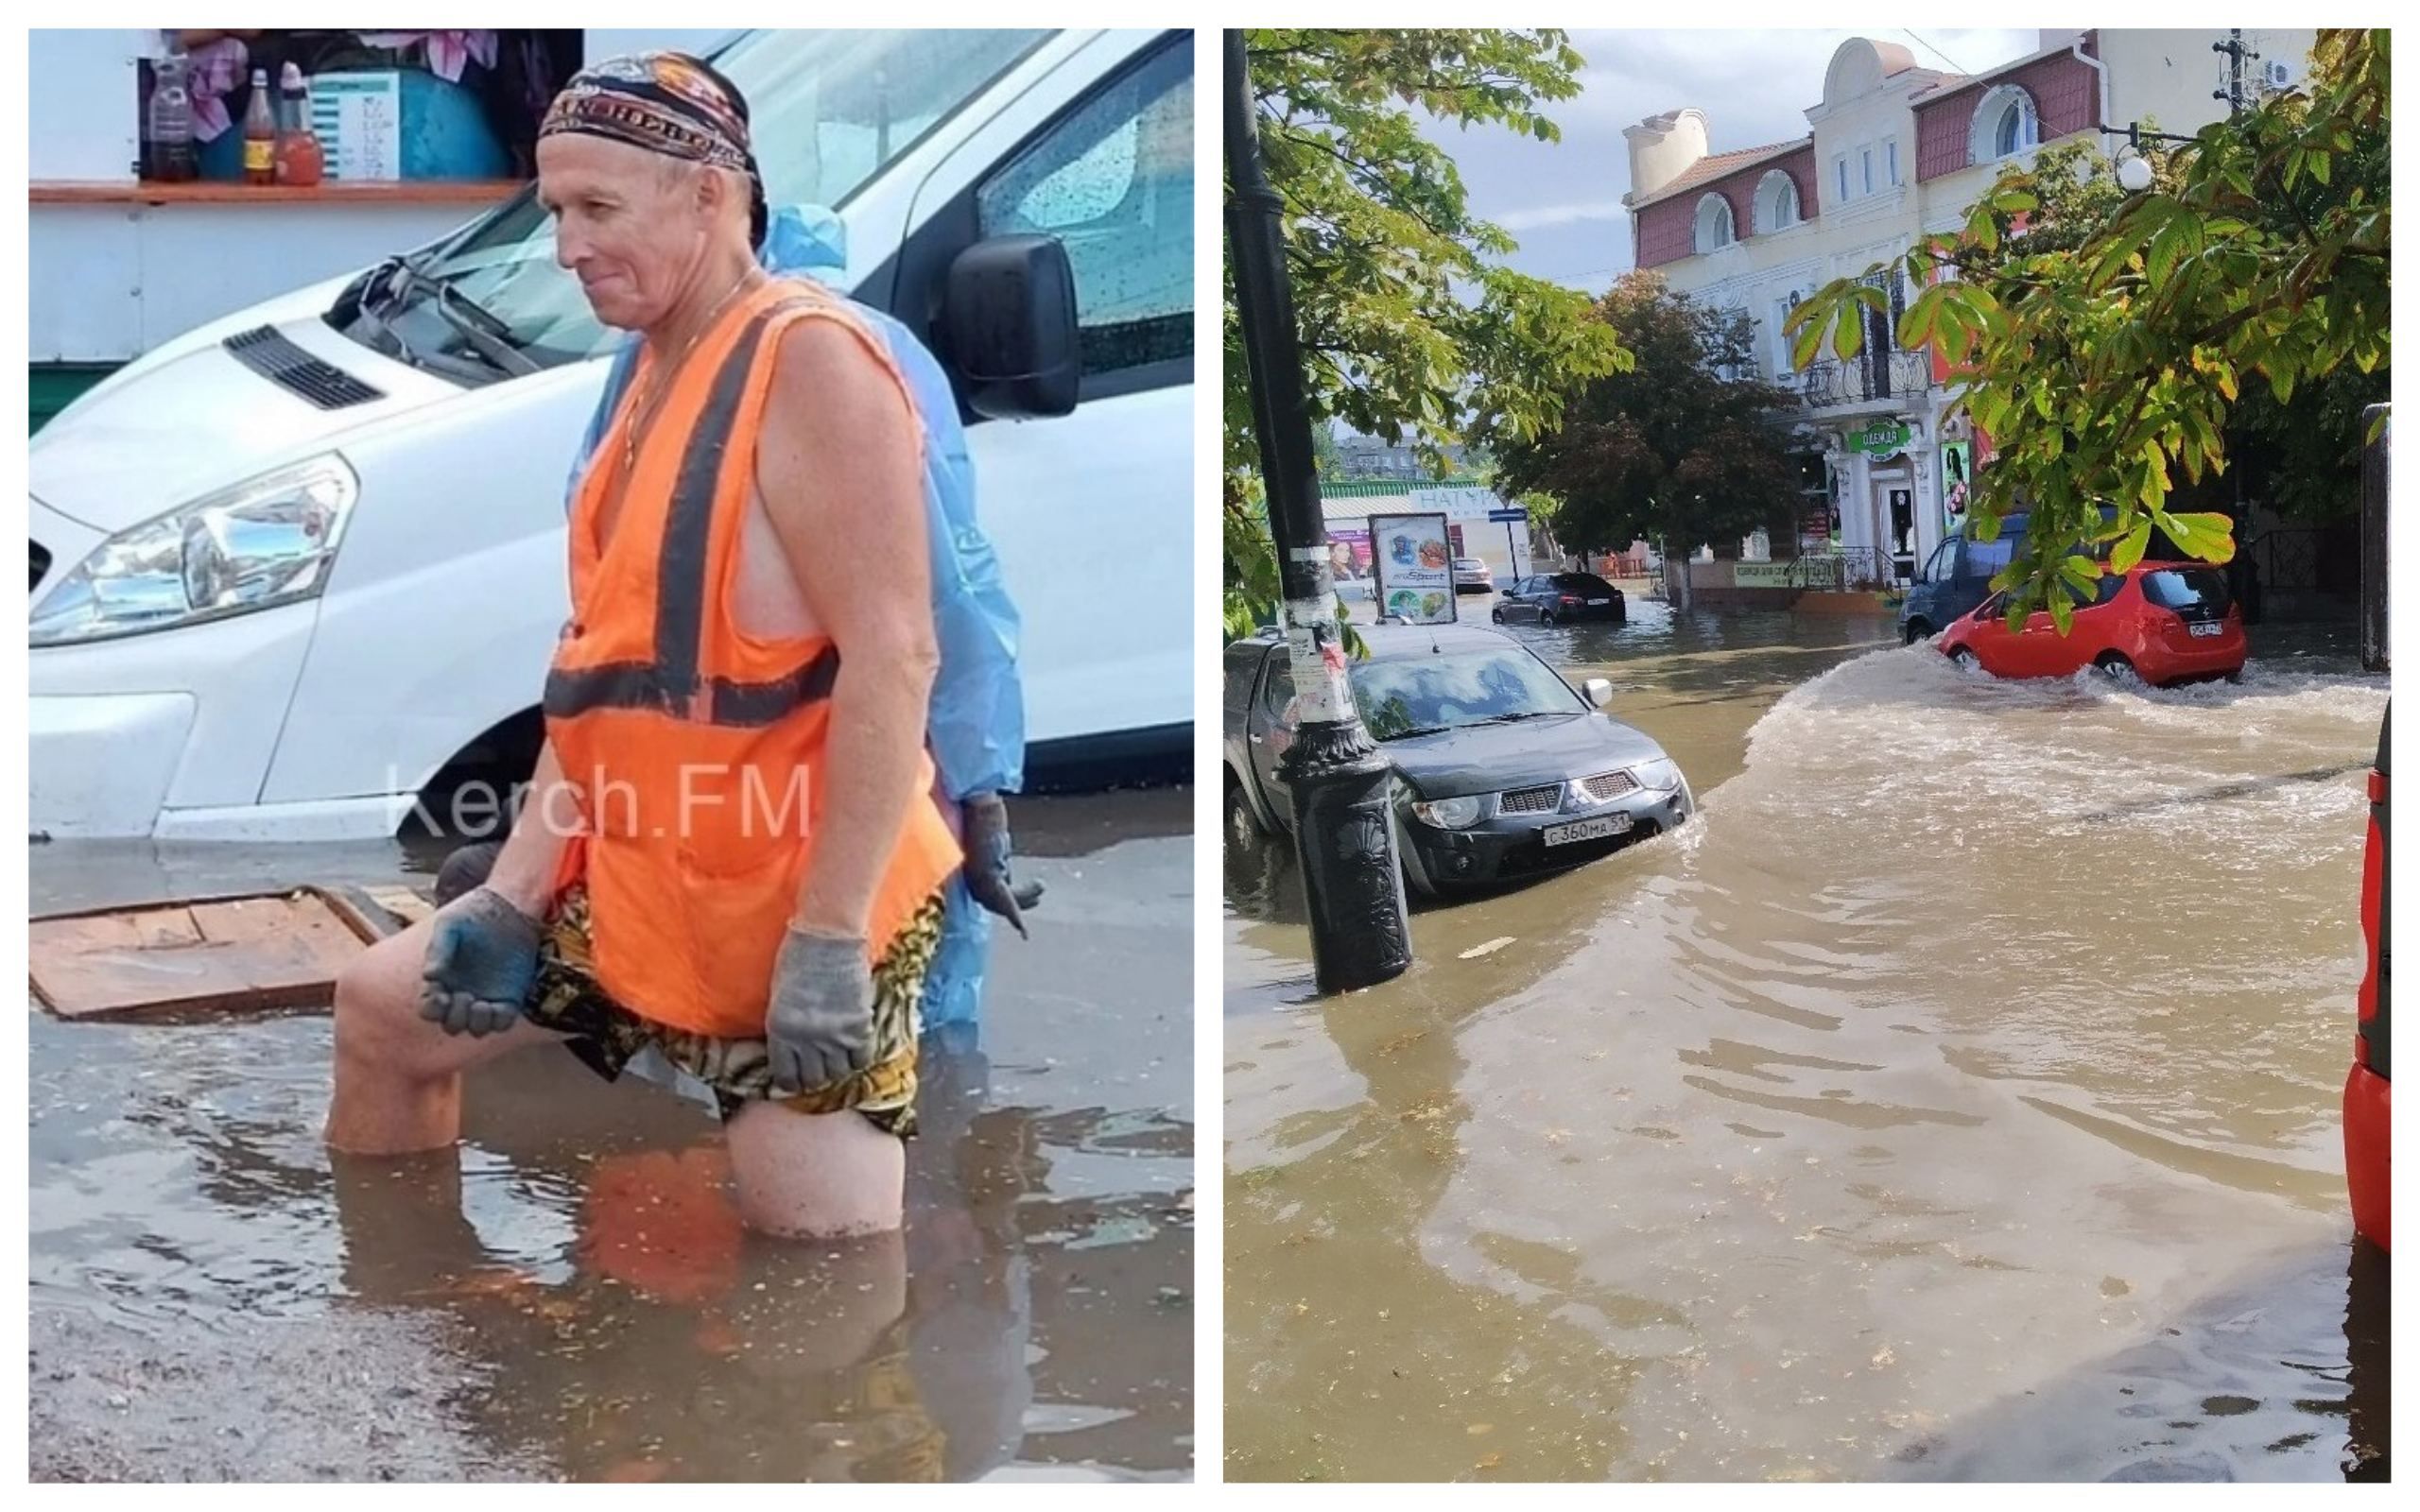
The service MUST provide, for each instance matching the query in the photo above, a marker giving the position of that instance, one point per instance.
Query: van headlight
(1659, 775)
(270, 539)
(1451, 813)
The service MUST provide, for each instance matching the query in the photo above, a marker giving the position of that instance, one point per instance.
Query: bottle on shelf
(300, 161)
(259, 133)
(173, 156)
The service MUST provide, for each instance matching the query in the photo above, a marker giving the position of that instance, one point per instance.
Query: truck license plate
(1596, 829)
(1598, 602)
(2209, 628)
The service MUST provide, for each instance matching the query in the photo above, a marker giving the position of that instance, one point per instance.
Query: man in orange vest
(738, 856)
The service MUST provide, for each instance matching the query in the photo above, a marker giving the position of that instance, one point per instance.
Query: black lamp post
(1342, 784)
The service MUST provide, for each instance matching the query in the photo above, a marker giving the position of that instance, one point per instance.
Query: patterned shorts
(608, 1036)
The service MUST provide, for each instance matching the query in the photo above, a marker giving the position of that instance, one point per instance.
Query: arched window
(2005, 123)
(1713, 224)
(1776, 201)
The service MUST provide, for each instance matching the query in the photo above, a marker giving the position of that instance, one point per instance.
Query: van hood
(188, 419)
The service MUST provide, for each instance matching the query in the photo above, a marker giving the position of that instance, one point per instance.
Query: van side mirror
(1009, 318)
(1597, 691)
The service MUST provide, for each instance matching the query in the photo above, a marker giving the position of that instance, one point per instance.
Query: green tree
(1679, 449)
(2104, 368)
(1412, 328)
(2301, 456)
(1325, 458)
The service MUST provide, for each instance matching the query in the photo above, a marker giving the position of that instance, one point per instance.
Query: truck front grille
(1532, 799)
(1607, 786)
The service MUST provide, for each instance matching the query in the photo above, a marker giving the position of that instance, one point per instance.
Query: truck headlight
(1660, 775)
(270, 539)
(1450, 812)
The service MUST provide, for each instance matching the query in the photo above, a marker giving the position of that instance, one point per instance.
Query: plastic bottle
(174, 159)
(259, 133)
(300, 161)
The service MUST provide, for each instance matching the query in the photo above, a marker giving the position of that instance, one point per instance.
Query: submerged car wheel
(1916, 630)
(2115, 668)
(1496, 614)
(1546, 617)
(1243, 824)
(1963, 658)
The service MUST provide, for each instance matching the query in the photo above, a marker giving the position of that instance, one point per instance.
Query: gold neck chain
(643, 409)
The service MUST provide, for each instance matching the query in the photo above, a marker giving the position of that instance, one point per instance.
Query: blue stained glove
(481, 966)
(987, 863)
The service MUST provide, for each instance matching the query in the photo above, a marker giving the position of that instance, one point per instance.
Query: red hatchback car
(2163, 621)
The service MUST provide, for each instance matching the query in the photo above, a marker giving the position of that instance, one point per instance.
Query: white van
(290, 567)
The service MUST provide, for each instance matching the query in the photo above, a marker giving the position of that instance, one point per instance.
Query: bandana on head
(664, 102)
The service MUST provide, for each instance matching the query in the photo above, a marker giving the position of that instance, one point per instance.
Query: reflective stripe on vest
(671, 684)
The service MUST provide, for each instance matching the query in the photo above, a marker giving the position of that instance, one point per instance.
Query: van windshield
(828, 112)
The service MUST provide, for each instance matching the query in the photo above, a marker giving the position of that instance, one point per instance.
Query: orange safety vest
(697, 746)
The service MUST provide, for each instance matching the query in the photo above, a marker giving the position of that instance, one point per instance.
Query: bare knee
(814, 1176)
(377, 1009)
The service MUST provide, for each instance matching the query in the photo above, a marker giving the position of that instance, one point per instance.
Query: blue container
(445, 135)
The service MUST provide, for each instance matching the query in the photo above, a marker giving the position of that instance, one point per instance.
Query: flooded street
(570, 1294)
(1956, 1098)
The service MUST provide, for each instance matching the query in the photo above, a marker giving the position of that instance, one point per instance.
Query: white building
(1895, 151)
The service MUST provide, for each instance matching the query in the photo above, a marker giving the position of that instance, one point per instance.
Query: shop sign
(1881, 438)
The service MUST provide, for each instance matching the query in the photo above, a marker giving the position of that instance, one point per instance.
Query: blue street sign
(1506, 517)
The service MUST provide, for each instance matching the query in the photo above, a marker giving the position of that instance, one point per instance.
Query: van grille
(1532, 799)
(42, 562)
(1606, 786)
(267, 352)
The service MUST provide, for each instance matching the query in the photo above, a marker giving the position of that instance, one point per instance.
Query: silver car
(1503, 771)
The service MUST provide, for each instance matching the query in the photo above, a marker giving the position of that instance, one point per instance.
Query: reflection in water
(1974, 1028)
(608, 1316)
(569, 1293)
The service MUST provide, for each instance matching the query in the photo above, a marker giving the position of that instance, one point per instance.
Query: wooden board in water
(190, 960)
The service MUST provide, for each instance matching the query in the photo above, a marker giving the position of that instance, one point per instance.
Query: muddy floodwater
(569, 1293)
(1956, 1098)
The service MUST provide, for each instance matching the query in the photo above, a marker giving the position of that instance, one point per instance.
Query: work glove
(482, 962)
(986, 862)
(819, 1028)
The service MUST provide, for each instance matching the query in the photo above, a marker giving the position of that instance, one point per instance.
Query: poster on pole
(1957, 467)
(1348, 555)
(1414, 566)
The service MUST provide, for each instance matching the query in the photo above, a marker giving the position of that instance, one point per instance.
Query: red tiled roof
(1716, 164)
(1952, 83)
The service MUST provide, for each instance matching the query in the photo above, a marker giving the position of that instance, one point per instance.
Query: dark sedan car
(1502, 770)
(1559, 597)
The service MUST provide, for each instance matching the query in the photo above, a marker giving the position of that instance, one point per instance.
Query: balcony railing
(1868, 376)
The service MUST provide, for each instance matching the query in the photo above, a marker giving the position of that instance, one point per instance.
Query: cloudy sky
(1563, 202)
